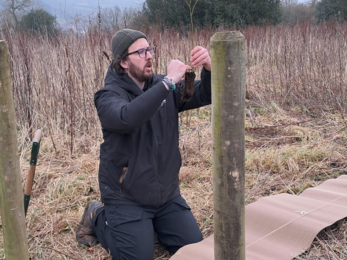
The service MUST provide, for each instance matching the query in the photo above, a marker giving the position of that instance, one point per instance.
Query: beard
(140, 74)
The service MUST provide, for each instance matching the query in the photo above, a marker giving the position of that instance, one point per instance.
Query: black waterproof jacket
(140, 131)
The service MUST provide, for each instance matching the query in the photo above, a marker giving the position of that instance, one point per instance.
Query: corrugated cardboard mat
(283, 226)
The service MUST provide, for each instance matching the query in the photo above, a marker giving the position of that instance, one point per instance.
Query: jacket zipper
(158, 174)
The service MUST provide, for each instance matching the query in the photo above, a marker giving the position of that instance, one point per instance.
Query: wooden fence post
(228, 115)
(11, 192)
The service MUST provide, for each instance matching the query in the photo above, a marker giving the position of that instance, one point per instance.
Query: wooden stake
(11, 193)
(228, 120)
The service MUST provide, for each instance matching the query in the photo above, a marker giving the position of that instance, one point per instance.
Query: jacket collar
(126, 83)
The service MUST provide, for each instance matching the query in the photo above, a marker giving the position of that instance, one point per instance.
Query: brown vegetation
(295, 125)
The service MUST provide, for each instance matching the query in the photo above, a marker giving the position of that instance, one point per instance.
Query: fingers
(196, 51)
(176, 70)
(188, 67)
(200, 56)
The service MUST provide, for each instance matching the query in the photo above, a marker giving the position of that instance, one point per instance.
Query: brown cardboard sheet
(281, 227)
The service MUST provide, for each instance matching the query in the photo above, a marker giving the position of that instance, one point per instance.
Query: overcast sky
(64, 9)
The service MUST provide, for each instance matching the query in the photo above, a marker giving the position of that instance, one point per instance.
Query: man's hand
(200, 56)
(176, 70)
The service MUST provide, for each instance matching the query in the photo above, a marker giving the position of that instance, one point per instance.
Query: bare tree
(289, 2)
(294, 12)
(114, 19)
(111, 18)
(128, 17)
(15, 8)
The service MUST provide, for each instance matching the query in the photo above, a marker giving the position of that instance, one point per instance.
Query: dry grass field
(295, 126)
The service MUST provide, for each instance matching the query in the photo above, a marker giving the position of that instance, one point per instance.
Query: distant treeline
(176, 13)
(226, 13)
(181, 15)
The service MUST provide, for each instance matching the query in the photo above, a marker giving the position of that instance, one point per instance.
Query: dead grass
(330, 244)
(282, 155)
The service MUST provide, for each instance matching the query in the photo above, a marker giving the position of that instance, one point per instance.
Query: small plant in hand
(189, 77)
(187, 90)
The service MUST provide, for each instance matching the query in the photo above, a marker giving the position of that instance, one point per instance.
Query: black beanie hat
(123, 39)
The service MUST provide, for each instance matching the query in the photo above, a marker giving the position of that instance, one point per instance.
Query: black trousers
(127, 231)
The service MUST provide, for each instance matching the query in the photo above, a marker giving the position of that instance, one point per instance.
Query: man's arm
(201, 96)
(118, 115)
(202, 88)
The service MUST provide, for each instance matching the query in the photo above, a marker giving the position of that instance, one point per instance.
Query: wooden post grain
(11, 193)
(228, 115)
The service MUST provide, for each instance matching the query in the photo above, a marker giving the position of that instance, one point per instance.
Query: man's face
(139, 69)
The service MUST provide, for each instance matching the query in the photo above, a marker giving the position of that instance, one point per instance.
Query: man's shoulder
(111, 90)
(114, 83)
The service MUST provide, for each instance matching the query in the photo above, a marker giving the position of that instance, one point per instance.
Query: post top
(3, 43)
(227, 36)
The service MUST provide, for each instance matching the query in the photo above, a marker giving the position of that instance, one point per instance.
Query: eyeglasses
(142, 52)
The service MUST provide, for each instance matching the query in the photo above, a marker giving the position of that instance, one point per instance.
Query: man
(140, 158)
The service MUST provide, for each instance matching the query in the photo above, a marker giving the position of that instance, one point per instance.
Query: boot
(84, 231)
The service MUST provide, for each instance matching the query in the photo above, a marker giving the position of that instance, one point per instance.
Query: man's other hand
(200, 56)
